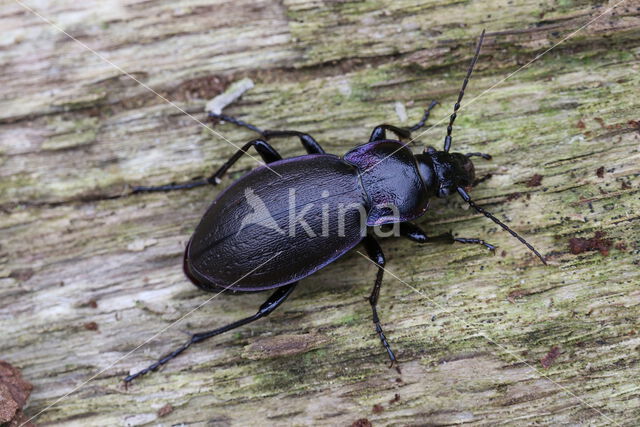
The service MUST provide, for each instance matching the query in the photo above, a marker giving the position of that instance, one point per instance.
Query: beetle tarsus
(235, 121)
(169, 187)
(476, 241)
(154, 366)
(377, 256)
(424, 118)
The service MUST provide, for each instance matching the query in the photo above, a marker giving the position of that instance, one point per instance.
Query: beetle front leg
(415, 233)
(273, 302)
(266, 151)
(377, 256)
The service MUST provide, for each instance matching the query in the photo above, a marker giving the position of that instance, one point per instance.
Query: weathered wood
(76, 249)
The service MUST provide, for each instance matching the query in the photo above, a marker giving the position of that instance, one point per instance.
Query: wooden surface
(88, 272)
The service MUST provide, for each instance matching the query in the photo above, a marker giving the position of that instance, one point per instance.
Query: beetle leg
(422, 121)
(235, 121)
(477, 241)
(274, 301)
(483, 155)
(415, 233)
(376, 255)
(310, 144)
(481, 180)
(379, 132)
(266, 151)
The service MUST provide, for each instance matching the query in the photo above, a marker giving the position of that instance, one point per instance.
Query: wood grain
(89, 272)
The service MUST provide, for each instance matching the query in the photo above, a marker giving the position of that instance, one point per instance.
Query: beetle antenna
(467, 199)
(447, 139)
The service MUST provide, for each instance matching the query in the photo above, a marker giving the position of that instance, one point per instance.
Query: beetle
(240, 243)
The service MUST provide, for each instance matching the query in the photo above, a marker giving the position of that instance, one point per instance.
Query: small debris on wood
(233, 92)
(513, 196)
(165, 410)
(395, 399)
(362, 422)
(377, 409)
(141, 244)
(283, 345)
(91, 326)
(92, 303)
(401, 111)
(635, 124)
(204, 87)
(513, 295)
(580, 124)
(551, 356)
(22, 274)
(14, 392)
(535, 180)
(625, 185)
(578, 245)
(600, 172)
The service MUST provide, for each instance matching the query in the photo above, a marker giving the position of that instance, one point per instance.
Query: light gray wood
(470, 329)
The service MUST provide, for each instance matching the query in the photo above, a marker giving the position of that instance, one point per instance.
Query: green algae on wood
(74, 134)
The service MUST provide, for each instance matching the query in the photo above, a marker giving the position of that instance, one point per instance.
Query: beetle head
(444, 172)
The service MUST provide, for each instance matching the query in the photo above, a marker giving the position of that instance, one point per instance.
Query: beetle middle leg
(379, 132)
(266, 151)
(308, 142)
(377, 256)
(273, 302)
(415, 233)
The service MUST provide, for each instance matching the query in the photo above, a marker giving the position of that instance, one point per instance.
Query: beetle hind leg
(377, 256)
(266, 151)
(235, 121)
(273, 302)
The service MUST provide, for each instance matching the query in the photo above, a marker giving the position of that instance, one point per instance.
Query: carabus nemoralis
(242, 243)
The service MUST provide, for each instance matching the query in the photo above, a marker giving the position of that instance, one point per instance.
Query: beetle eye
(443, 192)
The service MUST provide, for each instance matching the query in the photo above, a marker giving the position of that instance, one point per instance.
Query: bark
(89, 272)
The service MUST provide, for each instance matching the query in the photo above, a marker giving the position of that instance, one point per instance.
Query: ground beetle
(233, 247)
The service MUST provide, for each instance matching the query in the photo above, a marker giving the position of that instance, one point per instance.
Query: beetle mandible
(231, 248)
